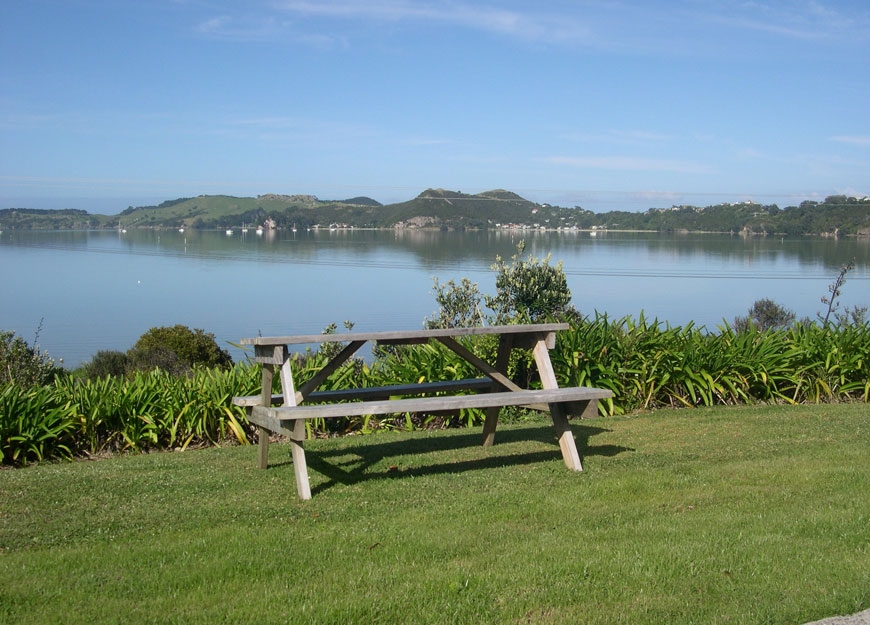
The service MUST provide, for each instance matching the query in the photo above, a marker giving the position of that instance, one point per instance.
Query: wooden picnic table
(492, 390)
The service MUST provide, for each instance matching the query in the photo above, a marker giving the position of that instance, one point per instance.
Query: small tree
(171, 347)
(855, 316)
(765, 314)
(529, 290)
(106, 363)
(459, 305)
(22, 364)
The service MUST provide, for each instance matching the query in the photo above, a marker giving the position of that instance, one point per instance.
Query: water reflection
(102, 289)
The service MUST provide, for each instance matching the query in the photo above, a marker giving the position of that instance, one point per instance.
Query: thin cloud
(862, 140)
(629, 163)
(803, 19)
(238, 29)
(622, 137)
(423, 142)
(262, 28)
(501, 21)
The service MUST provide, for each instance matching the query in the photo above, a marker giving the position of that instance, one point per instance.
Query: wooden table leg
(300, 466)
(505, 345)
(263, 449)
(566, 438)
(557, 411)
(265, 400)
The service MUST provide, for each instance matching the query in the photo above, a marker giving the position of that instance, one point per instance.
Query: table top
(404, 335)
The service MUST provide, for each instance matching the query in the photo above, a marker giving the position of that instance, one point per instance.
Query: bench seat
(576, 400)
(379, 392)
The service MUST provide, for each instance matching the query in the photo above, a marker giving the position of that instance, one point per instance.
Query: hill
(453, 210)
(223, 211)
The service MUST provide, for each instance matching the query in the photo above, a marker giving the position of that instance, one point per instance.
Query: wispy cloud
(622, 137)
(863, 140)
(623, 25)
(798, 19)
(522, 24)
(427, 141)
(262, 27)
(629, 163)
(238, 28)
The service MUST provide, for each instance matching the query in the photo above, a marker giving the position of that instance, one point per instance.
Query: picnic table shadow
(336, 466)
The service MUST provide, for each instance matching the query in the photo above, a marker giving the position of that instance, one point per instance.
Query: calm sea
(86, 291)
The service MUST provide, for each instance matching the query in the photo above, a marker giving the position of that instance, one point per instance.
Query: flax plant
(650, 365)
(36, 423)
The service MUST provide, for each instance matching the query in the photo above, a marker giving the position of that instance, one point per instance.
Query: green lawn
(727, 515)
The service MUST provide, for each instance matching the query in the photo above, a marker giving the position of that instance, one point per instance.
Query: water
(102, 289)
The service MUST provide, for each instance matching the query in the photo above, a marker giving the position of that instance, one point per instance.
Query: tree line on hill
(837, 215)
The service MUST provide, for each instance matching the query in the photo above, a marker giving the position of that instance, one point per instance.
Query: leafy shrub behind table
(177, 350)
(192, 347)
(36, 423)
(149, 410)
(648, 364)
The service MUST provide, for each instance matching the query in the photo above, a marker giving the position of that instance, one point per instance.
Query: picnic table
(285, 413)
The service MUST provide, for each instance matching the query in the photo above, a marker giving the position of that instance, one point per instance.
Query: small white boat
(229, 232)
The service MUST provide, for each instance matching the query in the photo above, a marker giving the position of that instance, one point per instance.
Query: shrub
(529, 290)
(24, 365)
(36, 423)
(157, 357)
(106, 363)
(765, 314)
(458, 305)
(178, 348)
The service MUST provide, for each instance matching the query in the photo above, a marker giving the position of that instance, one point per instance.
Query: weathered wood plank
(272, 354)
(300, 465)
(402, 335)
(430, 404)
(267, 376)
(377, 392)
(557, 411)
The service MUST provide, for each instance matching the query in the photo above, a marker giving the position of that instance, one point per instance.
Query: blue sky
(610, 104)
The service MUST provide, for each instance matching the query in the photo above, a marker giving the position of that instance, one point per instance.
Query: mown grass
(715, 515)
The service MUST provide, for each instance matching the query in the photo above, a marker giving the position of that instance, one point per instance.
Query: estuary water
(82, 291)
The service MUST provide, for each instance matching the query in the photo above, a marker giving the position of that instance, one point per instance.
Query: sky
(604, 104)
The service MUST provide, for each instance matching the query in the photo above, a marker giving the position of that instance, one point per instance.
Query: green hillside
(451, 210)
(454, 209)
(223, 211)
(433, 208)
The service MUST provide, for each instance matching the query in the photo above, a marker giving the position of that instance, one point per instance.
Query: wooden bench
(491, 392)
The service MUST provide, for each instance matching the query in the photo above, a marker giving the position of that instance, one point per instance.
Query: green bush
(459, 305)
(106, 363)
(529, 290)
(649, 364)
(765, 314)
(24, 365)
(36, 423)
(177, 349)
